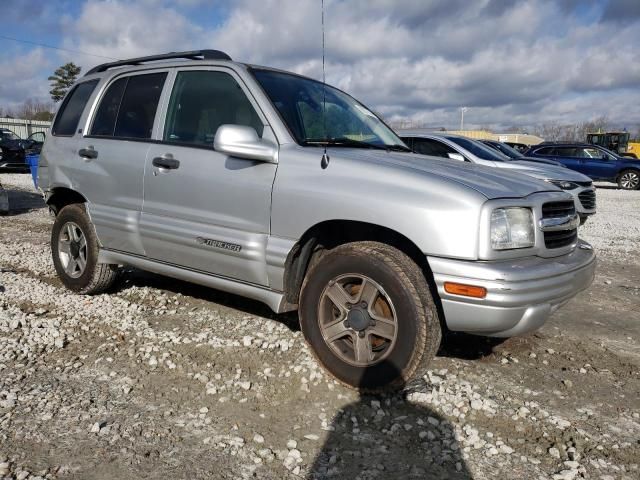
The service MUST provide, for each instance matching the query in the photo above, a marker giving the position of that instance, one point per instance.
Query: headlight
(512, 228)
(563, 184)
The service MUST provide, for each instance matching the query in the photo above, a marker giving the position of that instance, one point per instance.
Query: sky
(510, 62)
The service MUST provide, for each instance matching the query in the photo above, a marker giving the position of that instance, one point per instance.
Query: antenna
(324, 163)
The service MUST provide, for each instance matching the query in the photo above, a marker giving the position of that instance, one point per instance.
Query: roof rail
(191, 55)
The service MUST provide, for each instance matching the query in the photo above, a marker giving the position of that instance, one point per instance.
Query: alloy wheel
(357, 320)
(630, 180)
(72, 249)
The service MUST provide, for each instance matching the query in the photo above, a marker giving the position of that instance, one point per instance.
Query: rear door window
(139, 105)
(71, 109)
(128, 107)
(566, 152)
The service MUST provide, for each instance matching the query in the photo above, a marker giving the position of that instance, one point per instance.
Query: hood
(541, 160)
(490, 182)
(544, 171)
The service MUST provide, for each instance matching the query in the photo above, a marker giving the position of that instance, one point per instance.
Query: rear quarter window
(71, 109)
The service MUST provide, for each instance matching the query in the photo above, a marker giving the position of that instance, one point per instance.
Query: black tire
(583, 219)
(94, 278)
(418, 328)
(629, 179)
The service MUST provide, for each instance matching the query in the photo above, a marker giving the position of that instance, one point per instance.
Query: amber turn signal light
(465, 290)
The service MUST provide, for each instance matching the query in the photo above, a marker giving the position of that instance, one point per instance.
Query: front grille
(559, 238)
(558, 209)
(588, 199)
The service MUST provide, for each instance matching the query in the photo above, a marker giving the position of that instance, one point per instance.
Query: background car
(594, 161)
(521, 147)
(466, 149)
(33, 143)
(11, 152)
(515, 154)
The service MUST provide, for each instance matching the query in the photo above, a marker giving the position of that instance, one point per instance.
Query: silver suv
(282, 189)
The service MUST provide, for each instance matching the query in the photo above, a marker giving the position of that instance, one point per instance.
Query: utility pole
(462, 110)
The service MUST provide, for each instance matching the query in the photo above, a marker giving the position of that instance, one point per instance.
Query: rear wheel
(629, 179)
(74, 247)
(368, 315)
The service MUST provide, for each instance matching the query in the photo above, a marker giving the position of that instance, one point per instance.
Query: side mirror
(243, 142)
(456, 156)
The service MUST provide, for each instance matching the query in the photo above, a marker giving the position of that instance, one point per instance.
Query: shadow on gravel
(139, 278)
(386, 436)
(468, 347)
(21, 201)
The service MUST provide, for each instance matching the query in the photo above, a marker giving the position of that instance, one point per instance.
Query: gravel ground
(163, 379)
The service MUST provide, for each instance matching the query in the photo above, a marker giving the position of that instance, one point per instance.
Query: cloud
(509, 61)
(20, 79)
(121, 29)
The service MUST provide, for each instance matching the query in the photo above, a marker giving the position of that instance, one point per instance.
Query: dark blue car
(593, 161)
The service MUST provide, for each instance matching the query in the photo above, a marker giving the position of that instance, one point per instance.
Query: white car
(466, 149)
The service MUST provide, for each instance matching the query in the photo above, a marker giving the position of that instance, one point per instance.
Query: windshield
(8, 135)
(345, 122)
(506, 149)
(479, 150)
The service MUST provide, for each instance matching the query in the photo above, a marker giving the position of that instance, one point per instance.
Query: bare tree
(35, 110)
(30, 110)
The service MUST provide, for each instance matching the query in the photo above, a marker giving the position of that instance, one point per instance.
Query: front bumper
(521, 293)
(585, 199)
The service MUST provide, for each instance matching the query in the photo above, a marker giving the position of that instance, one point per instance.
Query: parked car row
(468, 150)
(280, 188)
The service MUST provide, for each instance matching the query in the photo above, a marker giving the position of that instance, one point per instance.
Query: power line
(56, 48)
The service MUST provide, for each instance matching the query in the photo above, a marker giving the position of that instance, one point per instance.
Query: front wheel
(629, 180)
(74, 247)
(367, 313)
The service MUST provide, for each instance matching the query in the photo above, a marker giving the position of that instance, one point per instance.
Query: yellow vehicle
(615, 141)
(634, 148)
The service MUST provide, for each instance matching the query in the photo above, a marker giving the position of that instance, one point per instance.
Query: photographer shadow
(386, 436)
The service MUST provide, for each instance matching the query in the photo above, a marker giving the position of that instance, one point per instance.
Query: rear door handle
(166, 162)
(88, 153)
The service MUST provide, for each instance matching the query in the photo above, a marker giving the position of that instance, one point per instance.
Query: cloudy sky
(511, 62)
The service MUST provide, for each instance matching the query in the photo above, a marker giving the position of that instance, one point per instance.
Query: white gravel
(615, 230)
(163, 379)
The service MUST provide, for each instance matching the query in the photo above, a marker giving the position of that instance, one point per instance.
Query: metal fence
(24, 128)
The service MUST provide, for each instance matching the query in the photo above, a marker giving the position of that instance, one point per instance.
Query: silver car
(280, 188)
(466, 149)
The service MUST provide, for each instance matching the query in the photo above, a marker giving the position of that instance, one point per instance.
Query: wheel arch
(329, 234)
(60, 197)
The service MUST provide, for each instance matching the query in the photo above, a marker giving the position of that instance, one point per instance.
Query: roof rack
(191, 55)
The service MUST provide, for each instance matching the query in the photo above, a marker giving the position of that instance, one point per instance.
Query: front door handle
(88, 153)
(166, 162)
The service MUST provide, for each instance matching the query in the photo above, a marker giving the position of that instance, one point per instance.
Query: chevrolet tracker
(283, 189)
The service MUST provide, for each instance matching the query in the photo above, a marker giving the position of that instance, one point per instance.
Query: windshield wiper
(399, 148)
(348, 142)
(342, 142)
